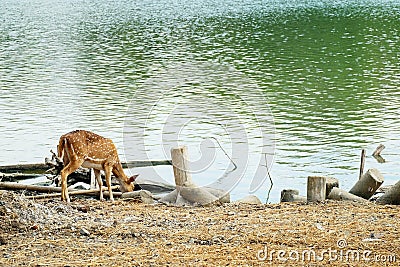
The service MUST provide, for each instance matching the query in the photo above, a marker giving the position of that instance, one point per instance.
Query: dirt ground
(88, 232)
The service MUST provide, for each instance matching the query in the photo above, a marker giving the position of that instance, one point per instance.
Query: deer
(86, 149)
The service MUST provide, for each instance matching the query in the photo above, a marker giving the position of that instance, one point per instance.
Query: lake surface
(298, 86)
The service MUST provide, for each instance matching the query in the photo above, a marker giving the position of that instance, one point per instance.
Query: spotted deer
(90, 150)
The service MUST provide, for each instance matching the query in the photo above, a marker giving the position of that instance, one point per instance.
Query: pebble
(3, 241)
(84, 232)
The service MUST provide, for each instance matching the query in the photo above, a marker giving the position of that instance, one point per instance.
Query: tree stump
(367, 184)
(340, 194)
(392, 196)
(291, 195)
(331, 183)
(186, 192)
(180, 166)
(316, 188)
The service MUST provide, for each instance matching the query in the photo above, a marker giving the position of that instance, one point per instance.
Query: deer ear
(132, 178)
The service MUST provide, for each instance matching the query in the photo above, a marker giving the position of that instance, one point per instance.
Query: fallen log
(75, 192)
(367, 184)
(18, 176)
(43, 167)
(316, 188)
(37, 188)
(340, 194)
(391, 196)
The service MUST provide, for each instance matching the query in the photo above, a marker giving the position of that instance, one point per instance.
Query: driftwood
(391, 196)
(340, 194)
(75, 192)
(37, 188)
(292, 195)
(316, 188)
(367, 184)
(377, 153)
(16, 176)
(44, 167)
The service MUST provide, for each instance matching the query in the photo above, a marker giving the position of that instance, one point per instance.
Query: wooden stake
(362, 163)
(181, 167)
(316, 188)
(368, 184)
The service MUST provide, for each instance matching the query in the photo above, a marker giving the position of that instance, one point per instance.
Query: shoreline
(88, 232)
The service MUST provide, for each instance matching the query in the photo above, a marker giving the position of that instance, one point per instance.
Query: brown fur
(90, 150)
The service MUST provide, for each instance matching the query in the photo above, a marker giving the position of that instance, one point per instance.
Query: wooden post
(340, 194)
(291, 195)
(368, 184)
(181, 167)
(316, 188)
(392, 196)
(362, 163)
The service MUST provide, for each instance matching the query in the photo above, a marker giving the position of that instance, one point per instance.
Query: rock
(83, 208)
(3, 241)
(319, 226)
(194, 196)
(223, 196)
(80, 186)
(251, 199)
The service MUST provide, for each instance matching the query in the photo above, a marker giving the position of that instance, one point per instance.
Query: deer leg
(67, 170)
(107, 170)
(97, 174)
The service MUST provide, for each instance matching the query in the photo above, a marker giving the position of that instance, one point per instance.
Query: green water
(309, 83)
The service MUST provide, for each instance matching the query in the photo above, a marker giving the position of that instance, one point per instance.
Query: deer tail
(61, 147)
